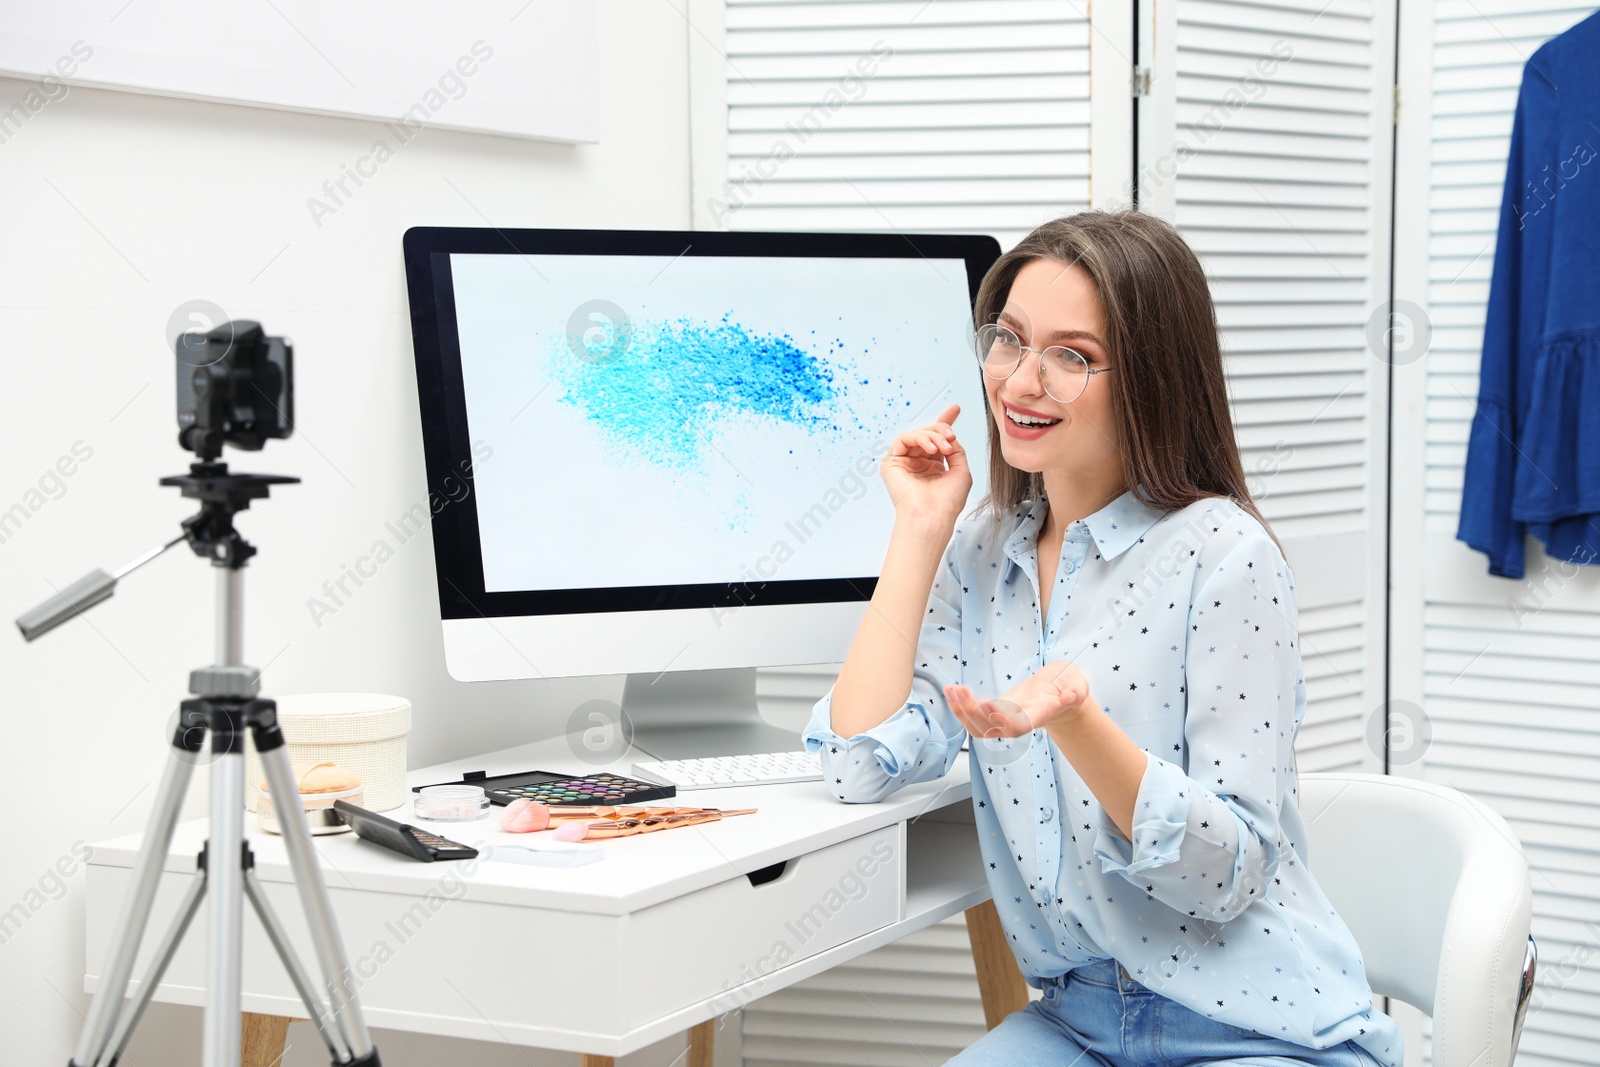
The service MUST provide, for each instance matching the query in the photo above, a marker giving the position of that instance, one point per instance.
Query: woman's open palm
(1056, 689)
(926, 469)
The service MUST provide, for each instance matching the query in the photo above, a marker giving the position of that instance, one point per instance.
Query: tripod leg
(291, 963)
(108, 998)
(134, 1011)
(313, 891)
(226, 906)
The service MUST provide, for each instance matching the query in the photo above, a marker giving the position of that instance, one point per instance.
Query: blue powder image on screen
(678, 379)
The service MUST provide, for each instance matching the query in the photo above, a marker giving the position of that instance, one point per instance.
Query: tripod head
(210, 532)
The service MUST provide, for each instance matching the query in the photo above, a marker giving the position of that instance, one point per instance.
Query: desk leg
(1000, 984)
(702, 1041)
(264, 1036)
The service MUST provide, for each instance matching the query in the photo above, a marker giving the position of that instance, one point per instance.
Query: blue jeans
(1095, 1016)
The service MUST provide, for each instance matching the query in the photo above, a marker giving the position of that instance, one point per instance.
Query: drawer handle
(770, 873)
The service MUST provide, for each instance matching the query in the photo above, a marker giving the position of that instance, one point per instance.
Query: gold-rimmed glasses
(1064, 371)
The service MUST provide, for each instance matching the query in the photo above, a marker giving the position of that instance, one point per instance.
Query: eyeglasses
(1063, 371)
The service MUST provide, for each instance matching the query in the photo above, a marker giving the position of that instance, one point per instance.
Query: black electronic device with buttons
(401, 837)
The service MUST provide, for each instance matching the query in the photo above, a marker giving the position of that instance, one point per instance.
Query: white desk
(666, 932)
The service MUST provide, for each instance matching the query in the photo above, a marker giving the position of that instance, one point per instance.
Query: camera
(235, 386)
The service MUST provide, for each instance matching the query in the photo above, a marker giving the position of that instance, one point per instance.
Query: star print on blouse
(1197, 600)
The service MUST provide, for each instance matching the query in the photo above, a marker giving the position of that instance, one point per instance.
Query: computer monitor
(654, 453)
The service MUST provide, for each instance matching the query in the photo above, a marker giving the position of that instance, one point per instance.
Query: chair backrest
(1435, 887)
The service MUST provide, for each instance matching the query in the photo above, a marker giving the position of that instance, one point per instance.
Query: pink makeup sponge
(570, 831)
(523, 816)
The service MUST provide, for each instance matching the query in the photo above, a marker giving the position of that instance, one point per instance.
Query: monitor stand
(684, 714)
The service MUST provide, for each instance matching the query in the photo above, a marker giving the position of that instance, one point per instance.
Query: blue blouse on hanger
(1533, 457)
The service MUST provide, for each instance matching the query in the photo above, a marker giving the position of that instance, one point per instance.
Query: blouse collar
(1114, 528)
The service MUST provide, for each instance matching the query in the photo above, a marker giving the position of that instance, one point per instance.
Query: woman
(1116, 629)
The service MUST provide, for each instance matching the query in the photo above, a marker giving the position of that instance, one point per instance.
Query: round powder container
(320, 785)
(452, 803)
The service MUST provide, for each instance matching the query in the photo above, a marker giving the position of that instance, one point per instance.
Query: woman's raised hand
(926, 470)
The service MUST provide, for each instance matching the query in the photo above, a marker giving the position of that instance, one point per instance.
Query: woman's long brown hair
(1169, 395)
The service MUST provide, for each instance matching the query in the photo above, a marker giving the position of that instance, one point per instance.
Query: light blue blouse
(1185, 625)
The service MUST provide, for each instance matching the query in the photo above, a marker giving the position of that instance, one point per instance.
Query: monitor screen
(661, 420)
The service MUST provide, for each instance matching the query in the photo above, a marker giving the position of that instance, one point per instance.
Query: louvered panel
(1268, 383)
(1325, 681)
(1333, 656)
(1346, 756)
(821, 194)
(1307, 484)
(1508, 781)
(956, 129)
(1279, 198)
(990, 141)
(1511, 704)
(831, 16)
(1228, 240)
(870, 114)
(1308, 514)
(969, 62)
(751, 96)
(987, 141)
(1330, 748)
(1519, 670)
(1323, 431)
(1339, 298)
(1539, 721)
(1016, 165)
(1233, 265)
(914, 1002)
(1011, 220)
(1337, 454)
(1577, 625)
(915, 1005)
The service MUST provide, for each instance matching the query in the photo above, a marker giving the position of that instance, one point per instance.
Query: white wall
(119, 208)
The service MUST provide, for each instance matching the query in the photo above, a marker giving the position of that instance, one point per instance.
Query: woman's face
(1054, 303)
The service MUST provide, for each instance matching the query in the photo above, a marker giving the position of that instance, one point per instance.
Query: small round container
(452, 803)
(361, 732)
(320, 785)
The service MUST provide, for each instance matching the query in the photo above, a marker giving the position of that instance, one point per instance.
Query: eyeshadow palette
(555, 789)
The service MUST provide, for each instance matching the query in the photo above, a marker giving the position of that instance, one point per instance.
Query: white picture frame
(521, 68)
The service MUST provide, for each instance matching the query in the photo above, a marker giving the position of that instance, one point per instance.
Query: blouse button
(1048, 814)
(1069, 566)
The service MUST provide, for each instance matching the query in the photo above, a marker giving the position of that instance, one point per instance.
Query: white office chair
(1435, 888)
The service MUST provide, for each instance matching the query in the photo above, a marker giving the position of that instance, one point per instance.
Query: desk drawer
(721, 941)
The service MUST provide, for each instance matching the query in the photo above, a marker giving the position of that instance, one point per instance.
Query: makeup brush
(628, 826)
(523, 816)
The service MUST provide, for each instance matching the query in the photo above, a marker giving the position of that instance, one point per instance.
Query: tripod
(224, 707)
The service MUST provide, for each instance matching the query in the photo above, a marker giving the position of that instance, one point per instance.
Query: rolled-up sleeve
(1206, 837)
(921, 739)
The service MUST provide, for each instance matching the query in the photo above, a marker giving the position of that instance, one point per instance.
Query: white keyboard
(709, 772)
